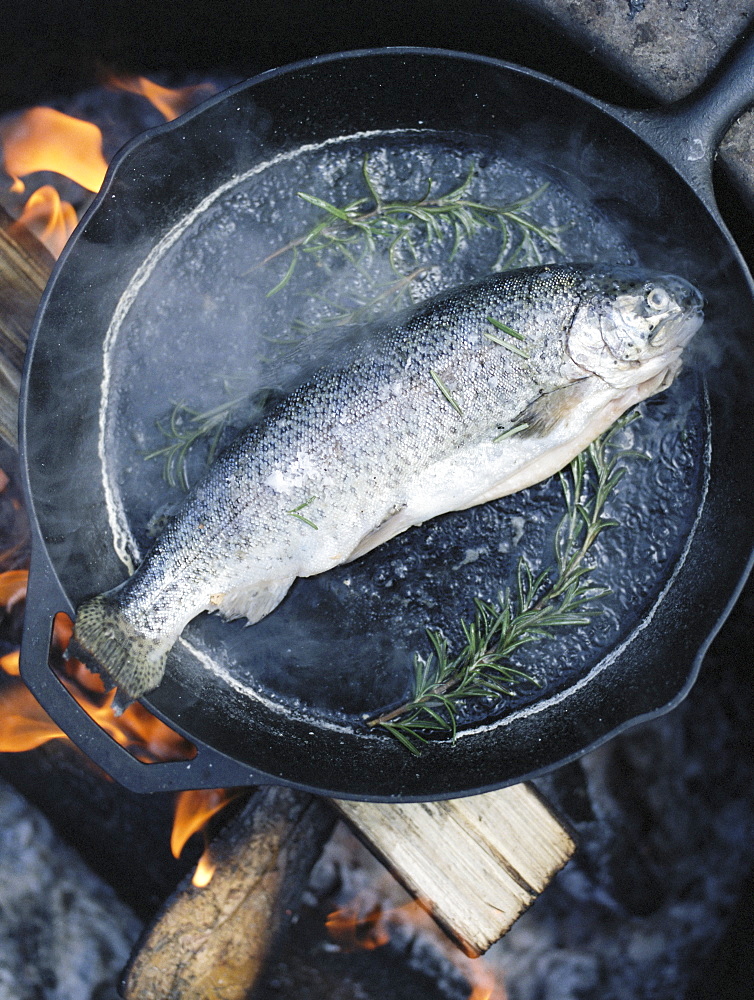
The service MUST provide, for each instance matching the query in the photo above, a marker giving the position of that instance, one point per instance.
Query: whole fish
(477, 393)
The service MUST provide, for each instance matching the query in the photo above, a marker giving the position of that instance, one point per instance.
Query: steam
(195, 325)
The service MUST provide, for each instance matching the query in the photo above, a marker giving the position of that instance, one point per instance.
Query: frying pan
(648, 175)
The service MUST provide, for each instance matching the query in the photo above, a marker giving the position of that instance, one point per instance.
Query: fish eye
(658, 299)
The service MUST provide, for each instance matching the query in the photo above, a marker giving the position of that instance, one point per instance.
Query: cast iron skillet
(649, 173)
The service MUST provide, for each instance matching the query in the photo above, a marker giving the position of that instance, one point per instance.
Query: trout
(477, 393)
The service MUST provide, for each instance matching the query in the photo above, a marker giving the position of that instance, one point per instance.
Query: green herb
(557, 597)
(186, 427)
(506, 343)
(374, 224)
(516, 429)
(295, 513)
(445, 391)
(505, 329)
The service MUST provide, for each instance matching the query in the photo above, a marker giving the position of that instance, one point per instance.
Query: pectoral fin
(548, 410)
(253, 601)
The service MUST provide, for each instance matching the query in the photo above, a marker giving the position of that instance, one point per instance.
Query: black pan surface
(157, 300)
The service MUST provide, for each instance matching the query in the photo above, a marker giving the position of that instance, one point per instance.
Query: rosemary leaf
(445, 391)
(505, 328)
(556, 597)
(516, 429)
(295, 513)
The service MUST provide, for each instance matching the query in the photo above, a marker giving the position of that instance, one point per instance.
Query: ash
(64, 934)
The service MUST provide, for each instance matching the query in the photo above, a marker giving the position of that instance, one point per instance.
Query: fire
(366, 923)
(44, 139)
(24, 724)
(10, 663)
(51, 220)
(13, 587)
(193, 810)
(170, 103)
(352, 929)
(205, 869)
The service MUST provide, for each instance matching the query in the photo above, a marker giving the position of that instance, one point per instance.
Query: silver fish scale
(354, 434)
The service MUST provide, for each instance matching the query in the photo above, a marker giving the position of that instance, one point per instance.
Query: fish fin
(254, 601)
(393, 525)
(108, 643)
(547, 411)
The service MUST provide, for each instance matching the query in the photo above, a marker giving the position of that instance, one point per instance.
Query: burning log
(212, 942)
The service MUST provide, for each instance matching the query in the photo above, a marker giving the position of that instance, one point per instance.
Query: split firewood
(475, 863)
(25, 266)
(211, 943)
(504, 847)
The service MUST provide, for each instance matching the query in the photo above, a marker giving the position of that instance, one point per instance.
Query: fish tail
(108, 643)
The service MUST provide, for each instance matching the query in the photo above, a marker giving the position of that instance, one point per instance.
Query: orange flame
(24, 724)
(193, 810)
(170, 103)
(45, 139)
(51, 220)
(352, 930)
(205, 869)
(13, 587)
(365, 923)
(9, 663)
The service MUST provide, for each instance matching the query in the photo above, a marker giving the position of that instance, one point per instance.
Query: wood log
(211, 943)
(509, 843)
(25, 266)
(475, 863)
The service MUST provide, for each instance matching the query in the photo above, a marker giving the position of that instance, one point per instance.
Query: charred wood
(212, 943)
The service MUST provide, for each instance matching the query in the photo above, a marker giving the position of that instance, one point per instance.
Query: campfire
(225, 921)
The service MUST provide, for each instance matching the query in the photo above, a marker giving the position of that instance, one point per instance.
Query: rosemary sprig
(184, 428)
(367, 225)
(556, 597)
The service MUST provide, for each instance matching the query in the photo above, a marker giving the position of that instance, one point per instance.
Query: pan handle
(208, 769)
(688, 132)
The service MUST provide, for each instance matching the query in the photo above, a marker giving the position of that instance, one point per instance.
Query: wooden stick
(212, 943)
(476, 863)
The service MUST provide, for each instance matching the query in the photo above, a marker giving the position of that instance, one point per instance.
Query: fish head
(631, 325)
